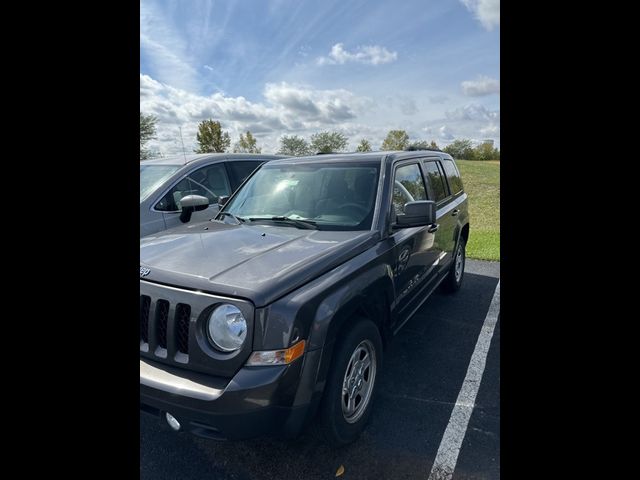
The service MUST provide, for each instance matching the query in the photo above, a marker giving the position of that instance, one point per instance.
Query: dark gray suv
(279, 310)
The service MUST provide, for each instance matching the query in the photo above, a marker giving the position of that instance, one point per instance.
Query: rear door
(456, 205)
(441, 191)
(210, 181)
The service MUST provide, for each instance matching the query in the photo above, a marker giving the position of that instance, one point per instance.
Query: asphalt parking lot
(424, 370)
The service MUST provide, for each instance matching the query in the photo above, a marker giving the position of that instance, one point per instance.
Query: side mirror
(223, 200)
(190, 204)
(417, 214)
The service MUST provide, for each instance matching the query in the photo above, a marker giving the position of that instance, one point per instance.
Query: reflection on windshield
(333, 196)
(152, 176)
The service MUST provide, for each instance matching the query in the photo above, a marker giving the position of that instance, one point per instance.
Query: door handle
(455, 212)
(433, 228)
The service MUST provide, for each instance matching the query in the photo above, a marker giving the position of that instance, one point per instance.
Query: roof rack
(413, 148)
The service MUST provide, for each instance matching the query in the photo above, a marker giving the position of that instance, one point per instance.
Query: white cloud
(368, 54)
(298, 109)
(165, 48)
(288, 109)
(444, 132)
(309, 105)
(473, 121)
(436, 99)
(486, 11)
(482, 85)
(473, 112)
(491, 130)
(408, 105)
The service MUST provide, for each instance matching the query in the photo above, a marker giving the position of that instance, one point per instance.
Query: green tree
(461, 148)
(246, 144)
(147, 132)
(396, 140)
(434, 145)
(328, 142)
(485, 151)
(364, 146)
(294, 146)
(211, 138)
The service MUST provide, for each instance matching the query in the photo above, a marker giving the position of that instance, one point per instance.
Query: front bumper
(276, 400)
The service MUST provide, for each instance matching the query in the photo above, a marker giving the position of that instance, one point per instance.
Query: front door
(414, 252)
(150, 221)
(210, 181)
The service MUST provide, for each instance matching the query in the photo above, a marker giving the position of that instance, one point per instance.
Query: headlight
(227, 328)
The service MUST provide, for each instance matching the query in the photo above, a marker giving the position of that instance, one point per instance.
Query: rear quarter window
(453, 176)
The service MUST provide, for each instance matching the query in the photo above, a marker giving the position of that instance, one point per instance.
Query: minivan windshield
(152, 176)
(326, 196)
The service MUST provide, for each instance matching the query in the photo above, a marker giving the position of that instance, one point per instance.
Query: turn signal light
(277, 357)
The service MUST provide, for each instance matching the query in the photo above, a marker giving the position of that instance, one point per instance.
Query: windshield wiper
(237, 219)
(299, 223)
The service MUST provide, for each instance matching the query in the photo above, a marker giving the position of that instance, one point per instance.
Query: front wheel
(346, 404)
(453, 280)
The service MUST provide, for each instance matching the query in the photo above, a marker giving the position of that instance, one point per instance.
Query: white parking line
(447, 456)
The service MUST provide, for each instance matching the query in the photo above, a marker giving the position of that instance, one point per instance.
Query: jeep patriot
(276, 312)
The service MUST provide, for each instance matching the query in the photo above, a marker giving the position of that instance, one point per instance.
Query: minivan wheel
(351, 384)
(453, 280)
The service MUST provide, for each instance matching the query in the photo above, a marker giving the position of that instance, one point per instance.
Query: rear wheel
(453, 280)
(350, 387)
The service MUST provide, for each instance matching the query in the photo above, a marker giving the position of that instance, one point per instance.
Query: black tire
(333, 424)
(452, 283)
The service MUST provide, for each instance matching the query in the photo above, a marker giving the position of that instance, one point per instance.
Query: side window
(453, 176)
(407, 187)
(435, 181)
(210, 182)
(241, 170)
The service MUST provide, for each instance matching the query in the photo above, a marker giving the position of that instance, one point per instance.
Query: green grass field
(482, 183)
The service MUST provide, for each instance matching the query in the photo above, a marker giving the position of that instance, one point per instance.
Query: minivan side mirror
(417, 214)
(190, 204)
(223, 200)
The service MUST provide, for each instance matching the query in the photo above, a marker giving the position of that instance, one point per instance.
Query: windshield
(333, 196)
(152, 176)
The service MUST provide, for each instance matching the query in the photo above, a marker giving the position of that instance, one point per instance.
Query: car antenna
(183, 150)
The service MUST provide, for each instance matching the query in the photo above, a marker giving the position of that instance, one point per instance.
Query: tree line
(212, 138)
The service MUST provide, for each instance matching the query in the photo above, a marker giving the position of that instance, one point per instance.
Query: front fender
(318, 311)
(309, 312)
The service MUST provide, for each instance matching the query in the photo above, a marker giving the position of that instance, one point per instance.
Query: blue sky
(293, 67)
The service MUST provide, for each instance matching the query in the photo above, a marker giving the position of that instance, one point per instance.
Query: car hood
(259, 262)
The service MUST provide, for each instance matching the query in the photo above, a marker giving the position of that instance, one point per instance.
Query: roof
(357, 157)
(206, 157)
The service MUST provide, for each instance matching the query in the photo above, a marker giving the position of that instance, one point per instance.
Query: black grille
(183, 314)
(162, 315)
(145, 302)
(164, 329)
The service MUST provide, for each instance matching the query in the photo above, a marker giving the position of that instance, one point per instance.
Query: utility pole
(184, 152)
